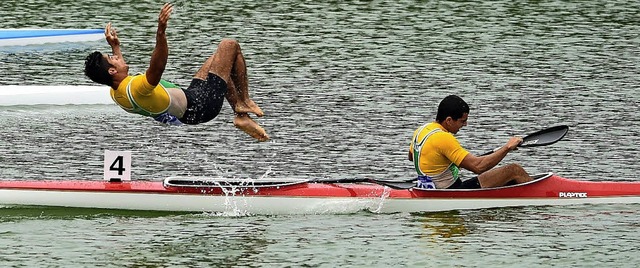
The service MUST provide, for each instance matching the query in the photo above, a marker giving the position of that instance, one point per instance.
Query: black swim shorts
(472, 183)
(204, 99)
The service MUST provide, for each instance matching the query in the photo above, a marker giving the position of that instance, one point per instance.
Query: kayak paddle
(542, 137)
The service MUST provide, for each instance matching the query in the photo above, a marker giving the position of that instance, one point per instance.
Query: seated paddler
(438, 156)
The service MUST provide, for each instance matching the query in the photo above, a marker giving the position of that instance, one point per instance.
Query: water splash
(385, 194)
(234, 190)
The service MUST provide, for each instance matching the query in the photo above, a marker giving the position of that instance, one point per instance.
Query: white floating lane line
(21, 37)
(53, 95)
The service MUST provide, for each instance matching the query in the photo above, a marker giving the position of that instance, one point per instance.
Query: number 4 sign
(117, 165)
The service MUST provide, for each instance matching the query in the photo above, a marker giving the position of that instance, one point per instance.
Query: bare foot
(246, 124)
(254, 107)
(248, 106)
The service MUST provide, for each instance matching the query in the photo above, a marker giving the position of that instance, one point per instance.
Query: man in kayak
(223, 75)
(437, 155)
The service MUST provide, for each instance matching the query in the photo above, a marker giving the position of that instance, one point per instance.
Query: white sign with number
(117, 165)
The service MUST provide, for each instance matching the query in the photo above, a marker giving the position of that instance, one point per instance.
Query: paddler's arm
(161, 51)
(411, 152)
(411, 145)
(480, 164)
(113, 40)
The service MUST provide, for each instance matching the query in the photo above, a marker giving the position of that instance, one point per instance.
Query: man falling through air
(223, 75)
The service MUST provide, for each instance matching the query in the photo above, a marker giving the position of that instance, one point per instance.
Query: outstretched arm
(161, 51)
(480, 164)
(113, 40)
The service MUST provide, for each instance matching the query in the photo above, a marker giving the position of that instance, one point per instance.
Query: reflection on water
(443, 225)
(17, 213)
(538, 236)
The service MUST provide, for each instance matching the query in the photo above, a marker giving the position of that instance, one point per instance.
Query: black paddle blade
(545, 137)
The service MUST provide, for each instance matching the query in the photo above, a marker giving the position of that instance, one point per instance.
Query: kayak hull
(308, 197)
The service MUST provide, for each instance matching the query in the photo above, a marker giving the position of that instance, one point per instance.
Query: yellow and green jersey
(437, 154)
(136, 95)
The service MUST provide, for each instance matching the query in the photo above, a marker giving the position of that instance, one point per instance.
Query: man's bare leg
(239, 77)
(224, 65)
(213, 65)
(502, 175)
(246, 124)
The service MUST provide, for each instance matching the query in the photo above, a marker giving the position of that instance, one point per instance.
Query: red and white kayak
(298, 196)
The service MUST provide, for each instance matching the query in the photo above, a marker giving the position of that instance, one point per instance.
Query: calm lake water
(343, 86)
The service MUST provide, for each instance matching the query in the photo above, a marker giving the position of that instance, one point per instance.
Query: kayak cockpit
(203, 182)
(536, 178)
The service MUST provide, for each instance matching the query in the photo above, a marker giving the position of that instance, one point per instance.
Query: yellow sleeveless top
(136, 95)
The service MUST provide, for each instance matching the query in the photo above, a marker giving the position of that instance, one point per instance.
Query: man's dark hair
(96, 67)
(452, 106)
